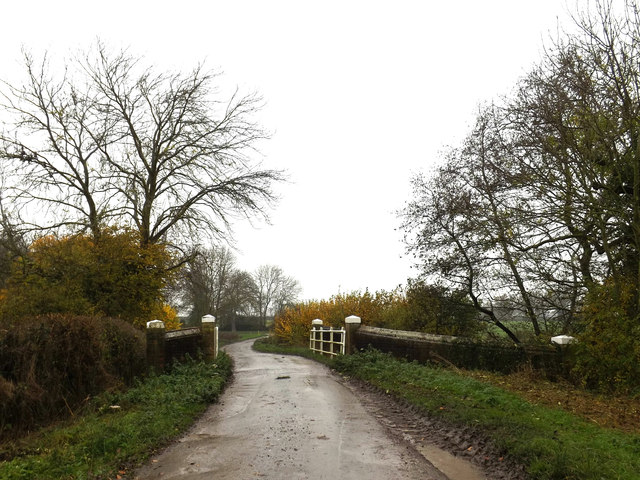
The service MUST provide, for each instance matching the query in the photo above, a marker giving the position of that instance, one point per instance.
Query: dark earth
(409, 424)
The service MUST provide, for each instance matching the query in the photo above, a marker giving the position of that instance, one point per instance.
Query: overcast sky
(359, 96)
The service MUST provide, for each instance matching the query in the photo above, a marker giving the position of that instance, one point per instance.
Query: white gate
(327, 340)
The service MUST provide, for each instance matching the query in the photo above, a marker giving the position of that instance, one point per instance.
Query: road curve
(286, 417)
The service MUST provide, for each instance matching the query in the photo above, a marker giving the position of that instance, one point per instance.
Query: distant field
(225, 338)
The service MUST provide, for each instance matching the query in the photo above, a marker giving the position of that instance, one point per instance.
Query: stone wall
(164, 347)
(460, 352)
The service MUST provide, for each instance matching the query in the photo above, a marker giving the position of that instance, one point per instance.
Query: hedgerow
(51, 365)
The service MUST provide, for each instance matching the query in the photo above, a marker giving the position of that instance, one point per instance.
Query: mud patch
(407, 423)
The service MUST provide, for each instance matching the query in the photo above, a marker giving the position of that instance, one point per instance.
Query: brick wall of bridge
(459, 352)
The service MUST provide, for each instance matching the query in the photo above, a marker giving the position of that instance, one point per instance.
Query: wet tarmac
(286, 417)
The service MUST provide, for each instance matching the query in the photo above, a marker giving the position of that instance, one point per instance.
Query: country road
(287, 418)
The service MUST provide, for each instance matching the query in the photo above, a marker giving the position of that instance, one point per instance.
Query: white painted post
(209, 331)
(316, 327)
(352, 324)
(156, 345)
(562, 343)
(562, 340)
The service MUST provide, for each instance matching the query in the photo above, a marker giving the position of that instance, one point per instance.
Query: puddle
(453, 467)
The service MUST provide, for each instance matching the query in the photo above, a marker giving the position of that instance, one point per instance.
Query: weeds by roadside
(120, 429)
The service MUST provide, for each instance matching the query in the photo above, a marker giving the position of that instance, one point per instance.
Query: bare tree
(120, 142)
(287, 294)
(239, 298)
(274, 289)
(205, 281)
(56, 135)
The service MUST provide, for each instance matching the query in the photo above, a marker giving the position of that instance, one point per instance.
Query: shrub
(50, 365)
(113, 277)
(293, 324)
(607, 356)
(423, 308)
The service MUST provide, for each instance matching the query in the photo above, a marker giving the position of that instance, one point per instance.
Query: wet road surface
(286, 417)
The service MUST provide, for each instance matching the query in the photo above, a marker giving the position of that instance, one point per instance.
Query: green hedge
(51, 365)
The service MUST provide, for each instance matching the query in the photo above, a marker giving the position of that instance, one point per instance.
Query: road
(286, 417)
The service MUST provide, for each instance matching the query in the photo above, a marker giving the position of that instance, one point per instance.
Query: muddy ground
(409, 424)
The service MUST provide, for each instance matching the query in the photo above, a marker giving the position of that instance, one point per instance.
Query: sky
(359, 96)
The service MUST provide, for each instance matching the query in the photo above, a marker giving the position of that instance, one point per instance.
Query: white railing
(326, 340)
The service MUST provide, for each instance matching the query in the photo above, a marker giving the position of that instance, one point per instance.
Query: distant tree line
(212, 284)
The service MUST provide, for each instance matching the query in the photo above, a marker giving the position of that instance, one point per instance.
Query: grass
(620, 412)
(551, 442)
(120, 429)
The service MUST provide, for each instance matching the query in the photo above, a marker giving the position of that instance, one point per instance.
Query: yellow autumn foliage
(114, 276)
(160, 311)
(293, 324)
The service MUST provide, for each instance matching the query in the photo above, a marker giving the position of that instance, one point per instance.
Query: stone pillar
(209, 331)
(156, 345)
(352, 324)
(316, 335)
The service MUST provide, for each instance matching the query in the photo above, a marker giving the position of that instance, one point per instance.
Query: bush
(423, 308)
(112, 277)
(105, 443)
(607, 356)
(50, 365)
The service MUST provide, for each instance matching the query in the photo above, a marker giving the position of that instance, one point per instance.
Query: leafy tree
(608, 354)
(12, 245)
(445, 236)
(114, 277)
(541, 204)
(434, 309)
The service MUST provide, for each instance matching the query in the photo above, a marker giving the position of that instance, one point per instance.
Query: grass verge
(120, 429)
(552, 443)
